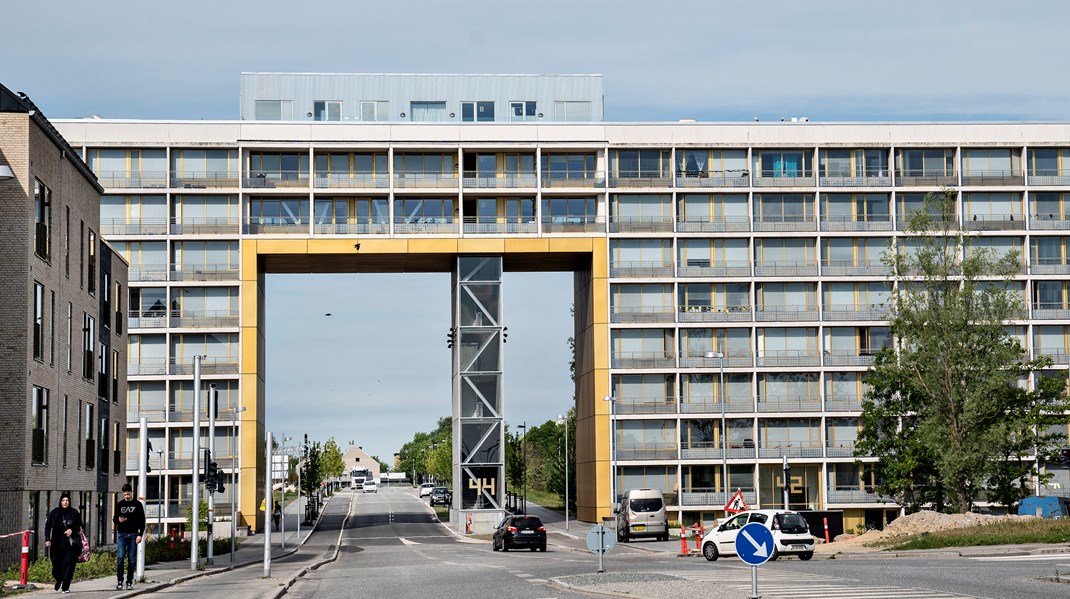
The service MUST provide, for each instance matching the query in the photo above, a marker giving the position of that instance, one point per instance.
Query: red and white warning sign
(736, 503)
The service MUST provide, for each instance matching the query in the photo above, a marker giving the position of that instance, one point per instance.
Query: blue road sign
(754, 544)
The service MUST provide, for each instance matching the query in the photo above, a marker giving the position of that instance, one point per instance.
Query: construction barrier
(24, 570)
(468, 525)
(700, 532)
(683, 541)
(826, 529)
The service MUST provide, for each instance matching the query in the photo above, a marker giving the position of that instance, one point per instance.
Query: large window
(568, 166)
(92, 274)
(374, 110)
(38, 321)
(572, 111)
(89, 335)
(89, 441)
(274, 110)
(42, 233)
(327, 110)
(522, 111)
(39, 425)
(477, 112)
(427, 111)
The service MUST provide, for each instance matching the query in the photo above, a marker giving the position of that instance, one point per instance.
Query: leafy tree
(333, 465)
(943, 404)
(312, 473)
(383, 466)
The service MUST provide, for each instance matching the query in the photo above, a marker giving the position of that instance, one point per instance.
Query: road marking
(404, 541)
(774, 584)
(1024, 558)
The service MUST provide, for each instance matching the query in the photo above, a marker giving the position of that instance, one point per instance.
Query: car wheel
(664, 537)
(505, 548)
(775, 556)
(806, 556)
(542, 548)
(709, 551)
(532, 549)
(494, 545)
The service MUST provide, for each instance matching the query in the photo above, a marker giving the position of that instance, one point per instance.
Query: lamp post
(565, 420)
(233, 479)
(524, 463)
(724, 424)
(612, 453)
(159, 494)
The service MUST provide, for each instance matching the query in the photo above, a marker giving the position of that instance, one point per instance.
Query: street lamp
(524, 464)
(159, 494)
(612, 452)
(724, 425)
(233, 479)
(563, 419)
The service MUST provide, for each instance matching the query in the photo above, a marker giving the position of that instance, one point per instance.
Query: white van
(641, 513)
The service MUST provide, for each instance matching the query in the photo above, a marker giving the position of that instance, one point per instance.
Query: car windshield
(792, 523)
(646, 505)
(527, 523)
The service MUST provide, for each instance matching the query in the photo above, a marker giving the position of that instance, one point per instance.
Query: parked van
(641, 513)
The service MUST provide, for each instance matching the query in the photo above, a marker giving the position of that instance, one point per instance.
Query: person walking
(129, 523)
(276, 516)
(63, 538)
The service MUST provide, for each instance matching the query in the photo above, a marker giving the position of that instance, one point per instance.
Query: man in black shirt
(129, 523)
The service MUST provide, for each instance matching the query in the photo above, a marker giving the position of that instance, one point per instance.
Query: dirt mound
(921, 522)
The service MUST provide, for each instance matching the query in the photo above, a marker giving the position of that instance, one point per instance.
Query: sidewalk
(248, 558)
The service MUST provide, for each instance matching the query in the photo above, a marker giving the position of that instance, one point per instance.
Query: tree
(383, 466)
(943, 404)
(312, 473)
(333, 465)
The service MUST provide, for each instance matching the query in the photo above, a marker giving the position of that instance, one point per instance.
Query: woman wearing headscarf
(63, 538)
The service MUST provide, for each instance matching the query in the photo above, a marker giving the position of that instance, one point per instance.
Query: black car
(520, 531)
(441, 496)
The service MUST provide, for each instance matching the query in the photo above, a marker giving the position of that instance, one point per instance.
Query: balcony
(842, 268)
(1049, 222)
(645, 452)
(800, 223)
(376, 227)
(844, 312)
(741, 404)
(844, 449)
(706, 450)
(428, 225)
(275, 225)
(992, 178)
(786, 268)
(902, 223)
(425, 181)
(713, 224)
(1050, 311)
(204, 179)
(734, 359)
(714, 314)
(573, 224)
(857, 223)
(209, 365)
(788, 403)
(127, 180)
(1058, 357)
(1048, 178)
(703, 497)
(788, 357)
(645, 405)
(146, 366)
(705, 268)
(204, 225)
(277, 179)
(741, 450)
(923, 178)
(837, 179)
(203, 319)
(640, 179)
(578, 180)
(159, 415)
(146, 226)
(785, 314)
(148, 319)
(641, 314)
(854, 494)
(801, 179)
(148, 273)
(640, 224)
(474, 180)
(849, 357)
(645, 270)
(352, 181)
(993, 222)
(643, 360)
(499, 225)
(204, 272)
(706, 179)
(848, 404)
(780, 449)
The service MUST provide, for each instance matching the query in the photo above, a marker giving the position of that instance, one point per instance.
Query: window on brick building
(42, 231)
(38, 321)
(39, 426)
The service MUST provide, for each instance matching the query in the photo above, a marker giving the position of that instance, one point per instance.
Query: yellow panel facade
(433, 246)
(481, 246)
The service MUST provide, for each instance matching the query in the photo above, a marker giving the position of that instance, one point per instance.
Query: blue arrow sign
(754, 544)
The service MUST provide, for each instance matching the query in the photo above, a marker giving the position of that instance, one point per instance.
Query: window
(81, 254)
(42, 203)
(66, 408)
(572, 111)
(102, 434)
(39, 425)
(92, 282)
(427, 111)
(273, 110)
(115, 376)
(374, 110)
(70, 333)
(90, 444)
(52, 331)
(327, 110)
(477, 112)
(67, 245)
(88, 345)
(105, 290)
(522, 111)
(118, 308)
(38, 320)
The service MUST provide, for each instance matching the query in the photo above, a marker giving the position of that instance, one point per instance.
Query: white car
(370, 486)
(425, 489)
(791, 534)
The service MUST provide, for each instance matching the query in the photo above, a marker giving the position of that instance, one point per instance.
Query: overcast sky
(377, 370)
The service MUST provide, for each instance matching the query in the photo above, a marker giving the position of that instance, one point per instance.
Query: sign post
(754, 545)
(736, 504)
(600, 540)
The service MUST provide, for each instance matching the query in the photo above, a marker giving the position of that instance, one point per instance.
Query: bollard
(826, 529)
(171, 545)
(698, 537)
(683, 540)
(25, 570)
(468, 525)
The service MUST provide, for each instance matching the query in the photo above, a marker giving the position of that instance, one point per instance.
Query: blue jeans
(127, 548)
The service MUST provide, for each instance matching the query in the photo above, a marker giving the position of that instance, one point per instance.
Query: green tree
(943, 397)
(383, 466)
(333, 464)
(312, 472)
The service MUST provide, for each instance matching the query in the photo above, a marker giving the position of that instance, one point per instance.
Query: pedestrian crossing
(773, 584)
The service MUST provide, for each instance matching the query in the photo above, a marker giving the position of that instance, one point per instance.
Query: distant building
(63, 375)
(356, 460)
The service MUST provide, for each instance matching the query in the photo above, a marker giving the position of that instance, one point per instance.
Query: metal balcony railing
(1051, 311)
(842, 312)
(705, 268)
(843, 449)
(1049, 266)
(741, 404)
(646, 405)
(643, 360)
(712, 224)
(372, 227)
(800, 178)
(785, 268)
(788, 223)
(640, 178)
(791, 449)
(992, 177)
(643, 452)
(151, 415)
(190, 179)
(427, 225)
(425, 180)
(785, 313)
(857, 223)
(499, 225)
(204, 318)
(855, 495)
(696, 358)
(204, 272)
(640, 224)
(641, 269)
(144, 226)
(641, 314)
(841, 268)
(573, 224)
(850, 404)
(705, 450)
(925, 178)
(849, 179)
(209, 365)
(149, 319)
(701, 497)
(708, 178)
(208, 225)
(274, 225)
(993, 222)
(351, 181)
(581, 179)
(1048, 178)
(476, 180)
(130, 180)
(148, 273)
(1058, 356)
(788, 403)
(146, 366)
(276, 179)
(849, 357)
(1049, 222)
(693, 313)
(788, 357)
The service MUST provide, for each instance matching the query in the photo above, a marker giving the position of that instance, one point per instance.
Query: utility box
(1045, 507)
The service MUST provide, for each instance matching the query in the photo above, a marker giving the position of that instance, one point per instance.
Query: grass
(998, 533)
(550, 501)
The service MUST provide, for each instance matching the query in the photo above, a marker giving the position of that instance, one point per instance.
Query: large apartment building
(729, 292)
(63, 373)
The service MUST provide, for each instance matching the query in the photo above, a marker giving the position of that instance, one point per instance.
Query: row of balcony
(476, 180)
(176, 462)
(165, 366)
(158, 319)
(224, 416)
(715, 499)
(692, 268)
(745, 450)
(744, 404)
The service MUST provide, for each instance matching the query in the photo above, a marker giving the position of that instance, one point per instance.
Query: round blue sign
(754, 544)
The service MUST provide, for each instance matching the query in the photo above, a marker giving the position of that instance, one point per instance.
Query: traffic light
(218, 478)
(1064, 457)
(148, 468)
(209, 472)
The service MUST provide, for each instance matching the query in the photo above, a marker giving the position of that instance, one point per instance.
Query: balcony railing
(1058, 357)
(853, 404)
(993, 222)
(150, 415)
(924, 178)
(773, 179)
(992, 177)
(840, 268)
(778, 449)
(204, 318)
(146, 366)
(726, 178)
(499, 225)
(204, 179)
(147, 273)
(128, 180)
(640, 224)
(643, 360)
(204, 225)
(352, 181)
(846, 179)
(146, 226)
(1050, 311)
(741, 404)
(840, 312)
(376, 227)
(1048, 178)
(857, 223)
(1049, 266)
(715, 314)
(844, 357)
(844, 449)
(788, 403)
(273, 225)
(209, 365)
(705, 268)
(788, 357)
(701, 497)
(425, 180)
(785, 268)
(148, 319)
(640, 269)
(640, 179)
(646, 405)
(474, 180)
(284, 179)
(713, 224)
(204, 272)
(573, 224)
(642, 314)
(801, 223)
(428, 225)
(734, 359)
(785, 313)
(582, 180)
(704, 450)
(640, 451)
(855, 495)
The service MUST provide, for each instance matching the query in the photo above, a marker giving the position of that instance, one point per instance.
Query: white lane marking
(1024, 558)
(404, 541)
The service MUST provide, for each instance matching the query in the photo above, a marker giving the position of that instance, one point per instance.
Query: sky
(377, 370)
